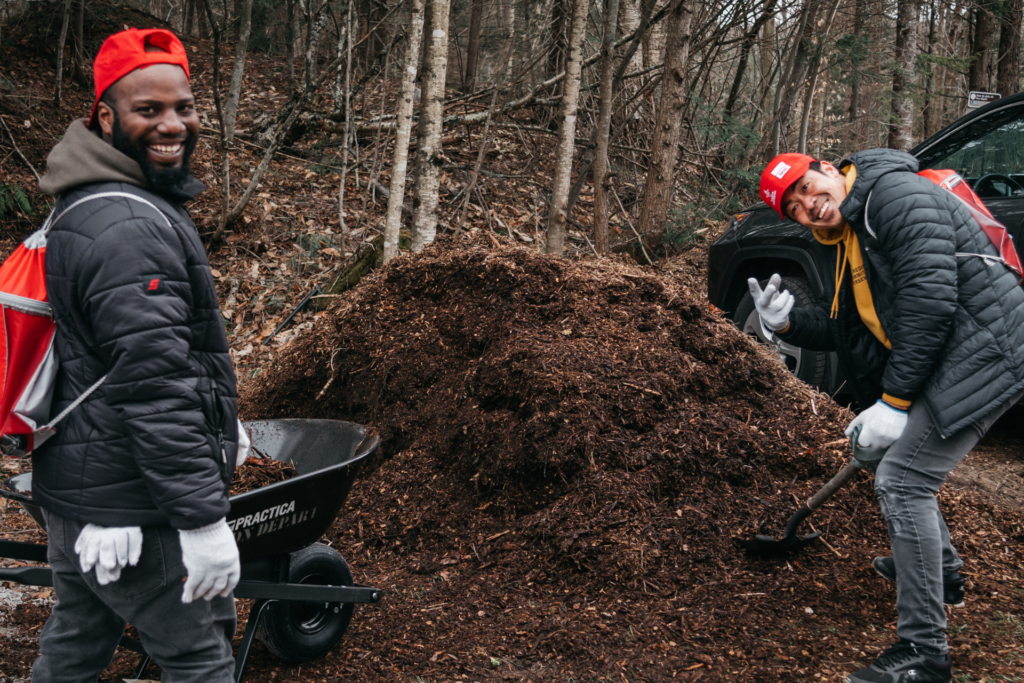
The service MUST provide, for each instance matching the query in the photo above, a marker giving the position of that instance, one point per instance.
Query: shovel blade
(766, 546)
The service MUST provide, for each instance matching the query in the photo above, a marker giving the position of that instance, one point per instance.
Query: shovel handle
(829, 489)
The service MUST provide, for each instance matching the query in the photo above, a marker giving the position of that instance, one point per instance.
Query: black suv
(986, 147)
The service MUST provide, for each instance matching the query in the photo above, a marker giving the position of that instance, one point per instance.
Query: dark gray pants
(191, 643)
(906, 481)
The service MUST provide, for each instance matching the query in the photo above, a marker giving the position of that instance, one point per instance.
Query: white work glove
(210, 557)
(243, 445)
(772, 306)
(109, 549)
(882, 423)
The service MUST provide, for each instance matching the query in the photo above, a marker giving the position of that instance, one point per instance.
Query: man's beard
(161, 180)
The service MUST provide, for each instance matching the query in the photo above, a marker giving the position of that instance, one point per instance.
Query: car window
(988, 153)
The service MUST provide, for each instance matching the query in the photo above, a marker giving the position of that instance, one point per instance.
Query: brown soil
(258, 472)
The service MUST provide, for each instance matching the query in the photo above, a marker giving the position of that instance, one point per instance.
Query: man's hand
(772, 306)
(210, 557)
(243, 445)
(882, 425)
(109, 549)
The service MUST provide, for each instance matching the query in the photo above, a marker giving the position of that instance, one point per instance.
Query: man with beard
(134, 484)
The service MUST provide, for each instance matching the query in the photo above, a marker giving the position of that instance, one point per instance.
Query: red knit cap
(125, 52)
(779, 174)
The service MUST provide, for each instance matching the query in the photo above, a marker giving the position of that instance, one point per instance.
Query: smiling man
(134, 485)
(931, 337)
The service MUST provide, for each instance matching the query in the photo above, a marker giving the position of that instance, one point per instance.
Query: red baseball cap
(780, 174)
(125, 52)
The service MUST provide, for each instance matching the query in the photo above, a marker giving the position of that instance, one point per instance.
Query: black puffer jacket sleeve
(134, 293)
(811, 328)
(913, 241)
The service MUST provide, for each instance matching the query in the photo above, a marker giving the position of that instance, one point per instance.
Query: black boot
(906, 662)
(952, 582)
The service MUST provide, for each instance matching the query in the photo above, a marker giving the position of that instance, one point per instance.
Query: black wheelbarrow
(303, 590)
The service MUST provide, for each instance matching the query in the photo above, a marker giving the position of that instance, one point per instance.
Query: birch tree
(557, 217)
(901, 130)
(424, 219)
(665, 140)
(604, 122)
(393, 221)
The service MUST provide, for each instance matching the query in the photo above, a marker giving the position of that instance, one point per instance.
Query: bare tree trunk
(61, 43)
(567, 131)
(901, 130)
(221, 121)
(748, 43)
(424, 220)
(860, 11)
(767, 57)
(80, 68)
(604, 122)
(202, 19)
(978, 74)
(189, 18)
(476, 22)
(314, 27)
(792, 82)
(235, 89)
(556, 59)
(348, 125)
(928, 109)
(629, 20)
(661, 175)
(290, 37)
(1009, 47)
(393, 222)
(812, 83)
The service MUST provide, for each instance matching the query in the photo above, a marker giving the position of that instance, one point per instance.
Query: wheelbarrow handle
(829, 489)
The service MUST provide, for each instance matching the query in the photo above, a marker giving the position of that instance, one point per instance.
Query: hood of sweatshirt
(83, 157)
(871, 164)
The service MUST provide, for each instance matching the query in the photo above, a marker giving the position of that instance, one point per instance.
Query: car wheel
(807, 365)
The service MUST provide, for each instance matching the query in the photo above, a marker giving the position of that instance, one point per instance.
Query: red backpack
(996, 231)
(28, 363)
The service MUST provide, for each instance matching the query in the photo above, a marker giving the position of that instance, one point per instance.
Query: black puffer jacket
(134, 300)
(956, 324)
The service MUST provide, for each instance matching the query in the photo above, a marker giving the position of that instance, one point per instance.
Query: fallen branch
(18, 151)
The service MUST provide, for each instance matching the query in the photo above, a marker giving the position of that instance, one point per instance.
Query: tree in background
(435, 68)
(901, 130)
(557, 217)
(665, 140)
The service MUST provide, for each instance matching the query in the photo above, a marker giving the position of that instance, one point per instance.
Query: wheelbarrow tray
(289, 515)
(269, 523)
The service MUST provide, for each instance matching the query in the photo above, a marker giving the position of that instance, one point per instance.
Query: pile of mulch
(256, 473)
(568, 452)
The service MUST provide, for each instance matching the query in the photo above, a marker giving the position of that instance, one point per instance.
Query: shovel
(766, 546)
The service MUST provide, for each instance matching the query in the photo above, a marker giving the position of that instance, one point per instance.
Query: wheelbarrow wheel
(304, 631)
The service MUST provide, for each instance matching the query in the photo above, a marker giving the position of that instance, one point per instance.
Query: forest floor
(569, 446)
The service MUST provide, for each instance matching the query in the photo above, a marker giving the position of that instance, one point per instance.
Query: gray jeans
(191, 643)
(906, 482)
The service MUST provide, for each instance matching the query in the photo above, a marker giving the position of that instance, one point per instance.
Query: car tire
(807, 365)
(305, 631)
